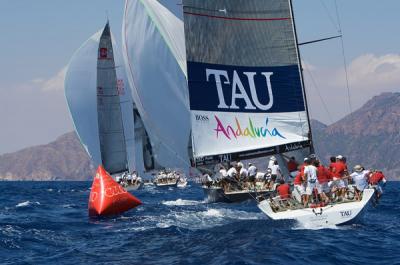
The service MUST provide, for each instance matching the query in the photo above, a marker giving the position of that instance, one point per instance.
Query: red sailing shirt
(338, 169)
(323, 174)
(292, 165)
(376, 177)
(284, 191)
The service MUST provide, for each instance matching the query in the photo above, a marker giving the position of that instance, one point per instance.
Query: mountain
(63, 159)
(369, 136)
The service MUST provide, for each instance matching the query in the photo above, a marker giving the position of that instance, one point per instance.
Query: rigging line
(319, 94)
(344, 59)
(334, 23)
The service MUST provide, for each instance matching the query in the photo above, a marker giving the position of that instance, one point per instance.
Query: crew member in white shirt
(271, 161)
(310, 175)
(252, 171)
(360, 178)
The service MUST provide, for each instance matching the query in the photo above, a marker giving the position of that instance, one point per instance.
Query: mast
(302, 78)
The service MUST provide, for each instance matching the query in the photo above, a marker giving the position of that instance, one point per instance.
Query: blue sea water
(47, 223)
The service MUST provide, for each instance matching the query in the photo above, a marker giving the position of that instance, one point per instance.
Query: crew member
(252, 171)
(310, 176)
(292, 166)
(377, 179)
(360, 178)
(283, 190)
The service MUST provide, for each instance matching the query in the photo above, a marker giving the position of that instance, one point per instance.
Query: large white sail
(245, 87)
(80, 91)
(153, 47)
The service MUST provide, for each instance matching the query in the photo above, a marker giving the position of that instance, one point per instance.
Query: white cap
(273, 158)
(339, 157)
(240, 164)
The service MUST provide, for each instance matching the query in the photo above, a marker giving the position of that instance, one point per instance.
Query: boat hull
(133, 187)
(165, 185)
(216, 194)
(337, 214)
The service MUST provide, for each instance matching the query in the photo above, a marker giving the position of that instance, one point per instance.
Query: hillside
(63, 159)
(370, 136)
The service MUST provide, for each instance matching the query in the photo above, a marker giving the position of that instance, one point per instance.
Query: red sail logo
(103, 53)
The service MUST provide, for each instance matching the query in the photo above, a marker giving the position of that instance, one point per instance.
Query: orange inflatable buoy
(107, 197)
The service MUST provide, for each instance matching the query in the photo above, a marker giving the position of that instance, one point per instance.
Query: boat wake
(181, 202)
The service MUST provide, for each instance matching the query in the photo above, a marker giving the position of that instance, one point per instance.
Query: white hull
(337, 214)
(181, 184)
(133, 187)
(169, 184)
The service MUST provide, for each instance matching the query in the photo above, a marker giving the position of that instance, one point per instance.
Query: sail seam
(236, 18)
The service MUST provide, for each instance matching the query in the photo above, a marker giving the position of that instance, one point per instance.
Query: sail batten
(244, 78)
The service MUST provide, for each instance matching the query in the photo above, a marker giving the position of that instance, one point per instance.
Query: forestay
(154, 55)
(245, 87)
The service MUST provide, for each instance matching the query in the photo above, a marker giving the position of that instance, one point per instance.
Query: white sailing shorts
(338, 183)
(310, 188)
(324, 187)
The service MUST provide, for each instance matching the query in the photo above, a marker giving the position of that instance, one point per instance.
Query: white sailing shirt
(360, 179)
(232, 172)
(311, 172)
(271, 163)
(275, 170)
(243, 173)
(223, 173)
(252, 170)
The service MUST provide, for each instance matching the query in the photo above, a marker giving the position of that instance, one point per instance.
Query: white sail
(109, 114)
(80, 91)
(153, 49)
(245, 86)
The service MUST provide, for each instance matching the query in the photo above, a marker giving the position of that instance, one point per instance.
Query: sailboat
(246, 91)
(102, 109)
(154, 55)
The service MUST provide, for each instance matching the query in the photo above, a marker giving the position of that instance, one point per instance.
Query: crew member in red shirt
(339, 171)
(323, 176)
(298, 185)
(292, 167)
(283, 190)
(378, 179)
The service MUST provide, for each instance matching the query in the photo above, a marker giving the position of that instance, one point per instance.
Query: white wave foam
(208, 218)
(69, 206)
(180, 202)
(26, 203)
(306, 226)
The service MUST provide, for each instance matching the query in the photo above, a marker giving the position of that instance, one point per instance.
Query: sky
(39, 38)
